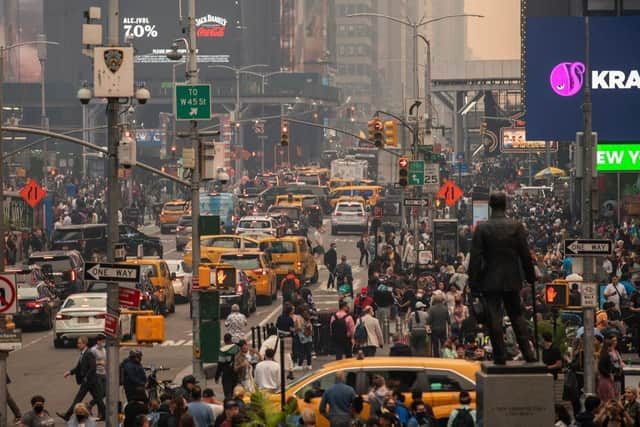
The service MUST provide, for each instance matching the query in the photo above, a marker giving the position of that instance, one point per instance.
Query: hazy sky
(497, 35)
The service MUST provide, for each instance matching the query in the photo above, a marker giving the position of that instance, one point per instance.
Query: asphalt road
(38, 367)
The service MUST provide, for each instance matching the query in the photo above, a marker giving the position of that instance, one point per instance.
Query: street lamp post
(237, 109)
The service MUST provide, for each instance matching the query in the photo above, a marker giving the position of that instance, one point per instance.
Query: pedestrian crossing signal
(556, 295)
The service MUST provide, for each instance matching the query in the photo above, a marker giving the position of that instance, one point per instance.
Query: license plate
(83, 320)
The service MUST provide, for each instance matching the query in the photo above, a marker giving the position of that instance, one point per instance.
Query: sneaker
(17, 420)
(297, 368)
(309, 367)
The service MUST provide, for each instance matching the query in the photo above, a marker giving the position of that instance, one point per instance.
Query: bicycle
(158, 388)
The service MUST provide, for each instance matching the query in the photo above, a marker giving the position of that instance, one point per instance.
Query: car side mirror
(173, 276)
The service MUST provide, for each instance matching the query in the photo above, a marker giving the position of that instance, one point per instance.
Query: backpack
(463, 418)
(288, 289)
(339, 327)
(360, 334)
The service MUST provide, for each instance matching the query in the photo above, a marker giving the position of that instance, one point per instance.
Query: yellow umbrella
(547, 173)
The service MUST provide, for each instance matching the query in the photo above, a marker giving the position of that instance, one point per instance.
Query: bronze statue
(499, 264)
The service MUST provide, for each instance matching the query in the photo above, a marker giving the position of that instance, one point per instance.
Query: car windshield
(149, 269)
(98, 301)
(291, 213)
(245, 262)
(174, 267)
(67, 235)
(281, 247)
(175, 207)
(185, 221)
(254, 224)
(57, 263)
(98, 287)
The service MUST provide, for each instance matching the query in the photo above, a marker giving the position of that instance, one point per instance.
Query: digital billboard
(618, 157)
(514, 140)
(555, 76)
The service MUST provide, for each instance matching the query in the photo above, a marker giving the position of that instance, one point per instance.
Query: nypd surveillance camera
(84, 95)
(143, 95)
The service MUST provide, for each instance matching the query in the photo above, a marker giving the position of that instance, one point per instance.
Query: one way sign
(588, 247)
(112, 272)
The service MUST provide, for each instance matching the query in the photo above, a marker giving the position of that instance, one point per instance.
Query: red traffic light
(403, 162)
(378, 125)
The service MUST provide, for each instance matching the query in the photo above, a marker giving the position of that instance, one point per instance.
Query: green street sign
(416, 172)
(618, 157)
(193, 102)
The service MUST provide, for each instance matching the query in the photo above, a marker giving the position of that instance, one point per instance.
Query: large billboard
(514, 140)
(556, 75)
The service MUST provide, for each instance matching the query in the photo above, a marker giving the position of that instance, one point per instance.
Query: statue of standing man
(499, 264)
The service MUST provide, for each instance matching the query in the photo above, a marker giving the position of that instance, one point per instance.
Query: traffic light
(378, 132)
(556, 295)
(403, 171)
(391, 133)
(149, 329)
(284, 133)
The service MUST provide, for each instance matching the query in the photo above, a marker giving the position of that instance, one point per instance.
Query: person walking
(374, 339)
(243, 364)
(305, 339)
(363, 247)
(439, 322)
(235, 324)
(224, 369)
(86, 378)
(331, 262)
(267, 373)
(464, 415)
(100, 353)
(417, 321)
(201, 411)
(289, 285)
(342, 328)
(339, 397)
(133, 375)
(37, 416)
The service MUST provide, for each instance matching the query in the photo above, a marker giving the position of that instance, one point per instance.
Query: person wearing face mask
(420, 416)
(38, 416)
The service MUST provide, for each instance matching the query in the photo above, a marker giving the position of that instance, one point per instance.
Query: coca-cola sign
(210, 26)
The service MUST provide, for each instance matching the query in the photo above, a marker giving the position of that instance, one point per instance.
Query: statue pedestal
(514, 395)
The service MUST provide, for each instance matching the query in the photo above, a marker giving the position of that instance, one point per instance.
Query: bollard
(259, 340)
(253, 336)
(385, 330)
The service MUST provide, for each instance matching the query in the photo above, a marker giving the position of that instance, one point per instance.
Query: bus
(222, 204)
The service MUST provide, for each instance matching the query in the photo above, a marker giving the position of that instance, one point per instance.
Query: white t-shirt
(614, 296)
(267, 375)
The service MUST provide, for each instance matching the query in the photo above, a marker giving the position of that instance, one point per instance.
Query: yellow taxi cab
(357, 199)
(339, 182)
(211, 246)
(171, 213)
(371, 193)
(291, 253)
(289, 200)
(159, 275)
(256, 266)
(441, 381)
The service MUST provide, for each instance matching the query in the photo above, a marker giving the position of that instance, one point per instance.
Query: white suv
(258, 224)
(349, 216)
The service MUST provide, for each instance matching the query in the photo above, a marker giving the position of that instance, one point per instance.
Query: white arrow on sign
(100, 273)
(193, 111)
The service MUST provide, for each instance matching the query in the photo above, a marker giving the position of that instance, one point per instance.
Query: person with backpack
(132, 374)
(289, 285)
(225, 368)
(305, 339)
(342, 328)
(368, 333)
(463, 416)
(417, 321)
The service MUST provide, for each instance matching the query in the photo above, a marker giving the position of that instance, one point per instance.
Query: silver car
(83, 315)
(349, 216)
